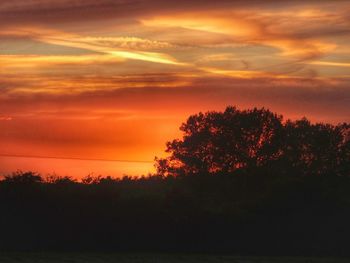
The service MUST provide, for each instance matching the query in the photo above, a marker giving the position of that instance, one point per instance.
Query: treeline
(255, 215)
(241, 182)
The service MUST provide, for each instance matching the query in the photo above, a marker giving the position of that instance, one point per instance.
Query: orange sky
(115, 79)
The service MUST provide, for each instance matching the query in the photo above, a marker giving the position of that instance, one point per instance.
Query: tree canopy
(256, 141)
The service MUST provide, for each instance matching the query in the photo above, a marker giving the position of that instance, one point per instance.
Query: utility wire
(73, 158)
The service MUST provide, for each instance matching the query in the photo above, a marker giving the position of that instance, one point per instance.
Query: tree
(60, 180)
(316, 149)
(24, 178)
(255, 141)
(223, 142)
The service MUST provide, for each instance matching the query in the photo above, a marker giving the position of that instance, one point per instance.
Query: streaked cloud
(5, 118)
(330, 63)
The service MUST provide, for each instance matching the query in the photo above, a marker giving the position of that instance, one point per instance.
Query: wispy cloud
(5, 118)
(330, 63)
(115, 47)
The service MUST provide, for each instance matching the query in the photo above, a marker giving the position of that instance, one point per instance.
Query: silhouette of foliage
(20, 177)
(256, 141)
(60, 180)
(89, 179)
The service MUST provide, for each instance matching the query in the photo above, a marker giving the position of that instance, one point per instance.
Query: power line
(73, 158)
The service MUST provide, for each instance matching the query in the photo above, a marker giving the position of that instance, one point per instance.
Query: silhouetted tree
(316, 149)
(255, 141)
(90, 179)
(24, 178)
(60, 180)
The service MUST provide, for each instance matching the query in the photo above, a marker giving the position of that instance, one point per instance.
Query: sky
(114, 79)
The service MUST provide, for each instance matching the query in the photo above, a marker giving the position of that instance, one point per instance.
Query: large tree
(255, 141)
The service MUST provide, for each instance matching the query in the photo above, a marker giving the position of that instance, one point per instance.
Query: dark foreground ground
(154, 258)
(236, 215)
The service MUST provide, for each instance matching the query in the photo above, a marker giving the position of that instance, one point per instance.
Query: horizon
(67, 166)
(101, 87)
(75, 167)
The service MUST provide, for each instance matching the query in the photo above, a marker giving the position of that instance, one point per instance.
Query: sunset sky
(113, 80)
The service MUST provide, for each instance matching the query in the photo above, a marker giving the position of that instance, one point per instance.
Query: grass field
(152, 258)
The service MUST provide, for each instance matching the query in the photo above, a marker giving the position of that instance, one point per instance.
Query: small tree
(20, 177)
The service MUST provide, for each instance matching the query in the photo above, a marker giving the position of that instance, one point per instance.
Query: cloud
(129, 43)
(5, 118)
(293, 37)
(330, 63)
(289, 32)
(118, 48)
(295, 97)
(134, 123)
(53, 11)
